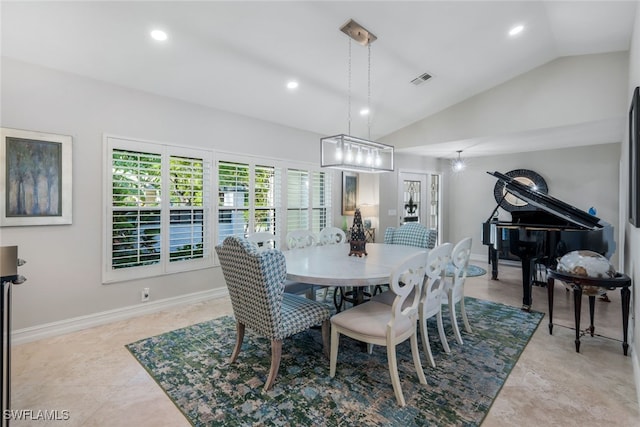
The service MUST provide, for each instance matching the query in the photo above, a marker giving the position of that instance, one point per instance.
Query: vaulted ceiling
(238, 55)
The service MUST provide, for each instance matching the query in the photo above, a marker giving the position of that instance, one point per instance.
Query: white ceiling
(239, 55)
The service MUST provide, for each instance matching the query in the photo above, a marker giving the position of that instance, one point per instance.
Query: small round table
(621, 281)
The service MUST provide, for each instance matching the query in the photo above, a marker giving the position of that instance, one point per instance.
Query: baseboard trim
(636, 370)
(47, 330)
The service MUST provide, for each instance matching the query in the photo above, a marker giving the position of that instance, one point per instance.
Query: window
(248, 199)
(308, 200)
(158, 209)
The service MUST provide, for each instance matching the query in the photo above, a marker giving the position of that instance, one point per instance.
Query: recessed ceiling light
(364, 111)
(158, 35)
(292, 85)
(516, 30)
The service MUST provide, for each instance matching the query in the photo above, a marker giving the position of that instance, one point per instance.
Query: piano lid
(547, 203)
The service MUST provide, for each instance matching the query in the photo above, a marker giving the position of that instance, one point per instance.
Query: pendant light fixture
(458, 164)
(348, 152)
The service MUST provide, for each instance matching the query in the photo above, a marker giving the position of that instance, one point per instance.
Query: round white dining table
(331, 265)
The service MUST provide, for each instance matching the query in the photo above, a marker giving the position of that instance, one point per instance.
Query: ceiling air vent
(421, 79)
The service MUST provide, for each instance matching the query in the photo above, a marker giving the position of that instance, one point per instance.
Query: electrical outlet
(145, 295)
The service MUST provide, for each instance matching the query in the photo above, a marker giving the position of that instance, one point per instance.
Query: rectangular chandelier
(355, 154)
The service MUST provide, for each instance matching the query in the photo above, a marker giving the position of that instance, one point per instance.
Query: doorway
(419, 199)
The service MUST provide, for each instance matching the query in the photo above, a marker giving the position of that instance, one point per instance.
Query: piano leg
(550, 289)
(526, 284)
(592, 307)
(493, 260)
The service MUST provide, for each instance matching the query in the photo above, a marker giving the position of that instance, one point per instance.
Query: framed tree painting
(349, 192)
(35, 178)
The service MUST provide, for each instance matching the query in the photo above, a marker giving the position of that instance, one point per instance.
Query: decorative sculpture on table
(357, 238)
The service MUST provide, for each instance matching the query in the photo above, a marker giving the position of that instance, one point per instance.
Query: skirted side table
(589, 284)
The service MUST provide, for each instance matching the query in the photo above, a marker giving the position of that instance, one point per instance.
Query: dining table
(331, 265)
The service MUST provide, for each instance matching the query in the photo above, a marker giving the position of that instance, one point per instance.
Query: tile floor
(92, 376)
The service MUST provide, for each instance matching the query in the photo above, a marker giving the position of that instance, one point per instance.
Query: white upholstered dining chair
(455, 285)
(386, 325)
(299, 239)
(263, 240)
(433, 292)
(331, 236)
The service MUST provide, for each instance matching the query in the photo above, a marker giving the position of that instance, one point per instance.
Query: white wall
(632, 234)
(64, 262)
(583, 177)
(566, 91)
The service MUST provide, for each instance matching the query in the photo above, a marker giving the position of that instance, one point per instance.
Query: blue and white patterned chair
(266, 240)
(255, 280)
(411, 234)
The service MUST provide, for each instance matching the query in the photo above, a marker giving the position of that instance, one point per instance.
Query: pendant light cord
(349, 90)
(369, 92)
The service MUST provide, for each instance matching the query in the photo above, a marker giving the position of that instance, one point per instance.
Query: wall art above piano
(508, 201)
(35, 171)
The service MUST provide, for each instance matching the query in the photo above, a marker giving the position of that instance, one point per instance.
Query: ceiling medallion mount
(358, 33)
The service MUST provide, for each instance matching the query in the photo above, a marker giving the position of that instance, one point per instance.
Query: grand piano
(540, 234)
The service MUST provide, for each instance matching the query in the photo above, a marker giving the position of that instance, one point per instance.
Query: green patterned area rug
(191, 365)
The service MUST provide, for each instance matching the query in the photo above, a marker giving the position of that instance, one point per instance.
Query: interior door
(419, 199)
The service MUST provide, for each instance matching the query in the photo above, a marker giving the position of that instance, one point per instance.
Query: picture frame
(634, 159)
(35, 178)
(349, 192)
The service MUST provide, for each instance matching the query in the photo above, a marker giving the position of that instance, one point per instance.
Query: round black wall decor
(528, 177)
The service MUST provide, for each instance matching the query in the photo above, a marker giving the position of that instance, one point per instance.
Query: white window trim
(109, 275)
(211, 215)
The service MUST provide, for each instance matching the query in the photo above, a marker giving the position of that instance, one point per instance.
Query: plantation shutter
(321, 201)
(233, 199)
(189, 195)
(136, 210)
(297, 200)
(267, 191)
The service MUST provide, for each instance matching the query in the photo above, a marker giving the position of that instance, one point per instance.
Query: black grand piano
(542, 233)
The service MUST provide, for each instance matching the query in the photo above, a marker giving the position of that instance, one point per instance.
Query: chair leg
(325, 338)
(239, 338)
(335, 339)
(276, 353)
(311, 294)
(416, 358)
(425, 341)
(443, 337)
(467, 326)
(454, 321)
(393, 372)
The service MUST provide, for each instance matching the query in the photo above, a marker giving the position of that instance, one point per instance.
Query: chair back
(263, 240)
(433, 289)
(406, 282)
(331, 236)
(298, 239)
(255, 280)
(411, 234)
(460, 259)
